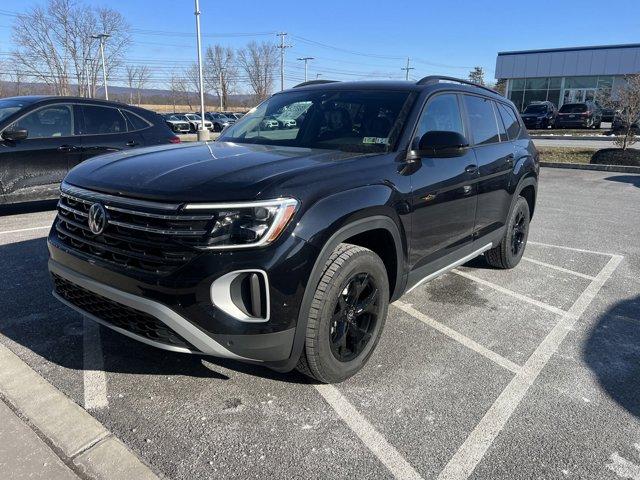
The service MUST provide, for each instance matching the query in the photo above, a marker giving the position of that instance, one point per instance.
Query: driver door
(444, 190)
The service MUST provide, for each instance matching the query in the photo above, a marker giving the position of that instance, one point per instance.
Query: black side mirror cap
(15, 135)
(440, 143)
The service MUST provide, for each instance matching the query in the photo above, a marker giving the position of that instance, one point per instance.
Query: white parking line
(25, 229)
(506, 291)
(623, 468)
(478, 442)
(95, 382)
(374, 441)
(560, 269)
(458, 337)
(562, 247)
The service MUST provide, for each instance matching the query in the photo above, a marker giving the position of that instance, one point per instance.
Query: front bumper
(181, 302)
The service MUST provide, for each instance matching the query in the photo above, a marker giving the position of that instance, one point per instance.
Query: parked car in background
(43, 137)
(234, 115)
(219, 121)
(579, 115)
(619, 125)
(270, 123)
(608, 114)
(287, 123)
(177, 123)
(195, 121)
(539, 115)
(284, 248)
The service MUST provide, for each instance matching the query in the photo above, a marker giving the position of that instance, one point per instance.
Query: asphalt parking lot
(529, 373)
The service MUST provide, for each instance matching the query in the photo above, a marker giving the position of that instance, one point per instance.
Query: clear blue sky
(440, 37)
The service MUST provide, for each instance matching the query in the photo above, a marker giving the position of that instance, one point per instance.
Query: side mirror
(441, 144)
(15, 135)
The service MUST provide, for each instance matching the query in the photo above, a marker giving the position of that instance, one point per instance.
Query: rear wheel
(511, 248)
(347, 315)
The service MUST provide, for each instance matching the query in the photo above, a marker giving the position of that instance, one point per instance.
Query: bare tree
(54, 44)
(192, 84)
(221, 72)
(259, 61)
(142, 79)
(131, 72)
(626, 99)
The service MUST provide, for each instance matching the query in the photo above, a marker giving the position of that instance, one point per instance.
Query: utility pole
(220, 79)
(407, 68)
(318, 75)
(86, 73)
(203, 134)
(102, 37)
(305, 60)
(282, 46)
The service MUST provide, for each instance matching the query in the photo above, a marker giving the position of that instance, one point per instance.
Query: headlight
(244, 225)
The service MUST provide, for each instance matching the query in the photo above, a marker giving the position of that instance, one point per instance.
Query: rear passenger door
(104, 130)
(495, 157)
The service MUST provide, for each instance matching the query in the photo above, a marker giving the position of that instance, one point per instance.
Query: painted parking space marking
(373, 440)
(572, 249)
(95, 382)
(20, 230)
(471, 452)
(458, 337)
(624, 468)
(511, 293)
(559, 269)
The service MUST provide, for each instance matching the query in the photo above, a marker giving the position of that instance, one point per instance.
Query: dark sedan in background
(43, 137)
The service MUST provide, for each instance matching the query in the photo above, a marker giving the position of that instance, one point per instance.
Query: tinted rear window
(573, 108)
(103, 120)
(482, 119)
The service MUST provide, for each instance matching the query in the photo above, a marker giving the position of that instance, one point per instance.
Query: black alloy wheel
(354, 318)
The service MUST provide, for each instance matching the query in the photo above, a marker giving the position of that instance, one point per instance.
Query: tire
(330, 356)
(506, 255)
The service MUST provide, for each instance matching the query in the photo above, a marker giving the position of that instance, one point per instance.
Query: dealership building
(565, 75)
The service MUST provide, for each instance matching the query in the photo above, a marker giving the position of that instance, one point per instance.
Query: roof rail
(314, 82)
(431, 79)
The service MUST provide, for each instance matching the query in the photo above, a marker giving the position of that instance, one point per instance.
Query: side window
(47, 122)
(501, 127)
(134, 121)
(442, 113)
(510, 121)
(482, 120)
(102, 120)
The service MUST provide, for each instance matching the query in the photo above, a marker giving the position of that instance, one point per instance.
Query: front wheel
(511, 248)
(347, 315)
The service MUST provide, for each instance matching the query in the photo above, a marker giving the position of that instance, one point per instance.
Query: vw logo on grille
(97, 218)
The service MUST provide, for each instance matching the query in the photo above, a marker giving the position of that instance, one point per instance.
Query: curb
(77, 438)
(588, 166)
(600, 138)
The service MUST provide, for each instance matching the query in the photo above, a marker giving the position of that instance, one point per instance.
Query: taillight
(174, 139)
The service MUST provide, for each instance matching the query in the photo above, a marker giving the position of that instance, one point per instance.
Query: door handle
(67, 148)
(471, 168)
(131, 143)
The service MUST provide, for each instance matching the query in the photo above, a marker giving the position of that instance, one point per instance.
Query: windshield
(9, 107)
(193, 116)
(536, 109)
(573, 108)
(175, 118)
(360, 121)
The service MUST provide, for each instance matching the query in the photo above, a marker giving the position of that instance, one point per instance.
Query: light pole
(203, 134)
(102, 37)
(305, 60)
(407, 69)
(318, 75)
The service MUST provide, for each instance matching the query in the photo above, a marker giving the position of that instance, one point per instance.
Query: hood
(532, 116)
(208, 172)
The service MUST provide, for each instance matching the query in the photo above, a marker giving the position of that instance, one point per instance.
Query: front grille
(144, 236)
(121, 316)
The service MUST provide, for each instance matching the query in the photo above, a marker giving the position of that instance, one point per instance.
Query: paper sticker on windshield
(375, 140)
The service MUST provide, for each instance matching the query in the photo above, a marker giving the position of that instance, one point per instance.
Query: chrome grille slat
(140, 235)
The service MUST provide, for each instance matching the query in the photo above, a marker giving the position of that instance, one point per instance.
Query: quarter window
(134, 121)
(103, 120)
(441, 114)
(47, 122)
(482, 120)
(510, 121)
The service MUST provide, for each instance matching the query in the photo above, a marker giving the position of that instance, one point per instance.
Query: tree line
(55, 46)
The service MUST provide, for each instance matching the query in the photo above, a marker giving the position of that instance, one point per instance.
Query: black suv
(579, 115)
(42, 137)
(285, 247)
(539, 115)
